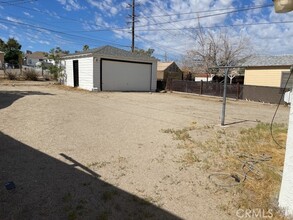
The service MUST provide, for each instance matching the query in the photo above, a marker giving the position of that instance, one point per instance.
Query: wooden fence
(206, 88)
(237, 91)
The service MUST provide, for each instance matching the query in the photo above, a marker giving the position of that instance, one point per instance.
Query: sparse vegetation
(251, 162)
(98, 164)
(264, 183)
(30, 74)
(11, 75)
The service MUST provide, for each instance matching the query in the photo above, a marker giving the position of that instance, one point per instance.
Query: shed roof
(258, 61)
(110, 51)
(161, 66)
(36, 55)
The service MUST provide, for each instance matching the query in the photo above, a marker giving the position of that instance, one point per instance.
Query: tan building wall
(160, 75)
(264, 76)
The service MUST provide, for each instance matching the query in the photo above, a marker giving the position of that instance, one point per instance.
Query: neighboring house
(168, 70)
(203, 77)
(270, 71)
(31, 59)
(265, 77)
(110, 69)
(1, 59)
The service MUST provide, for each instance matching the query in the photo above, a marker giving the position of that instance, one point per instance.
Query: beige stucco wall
(264, 76)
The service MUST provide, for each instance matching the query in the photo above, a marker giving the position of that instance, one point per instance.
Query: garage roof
(261, 61)
(109, 51)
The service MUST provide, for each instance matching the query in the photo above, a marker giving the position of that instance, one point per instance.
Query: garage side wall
(68, 73)
(85, 72)
(85, 66)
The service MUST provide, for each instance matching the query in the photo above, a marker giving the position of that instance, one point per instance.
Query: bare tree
(214, 49)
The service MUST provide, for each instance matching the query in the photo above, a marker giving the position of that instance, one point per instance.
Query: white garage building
(110, 69)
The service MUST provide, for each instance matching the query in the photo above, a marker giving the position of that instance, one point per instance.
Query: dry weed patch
(248, 165)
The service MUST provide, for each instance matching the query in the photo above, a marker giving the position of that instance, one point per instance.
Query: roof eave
(80, 55)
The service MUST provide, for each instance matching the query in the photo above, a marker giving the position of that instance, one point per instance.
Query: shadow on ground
(47, 188)
(7, 98)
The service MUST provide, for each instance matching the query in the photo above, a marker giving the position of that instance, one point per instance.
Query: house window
(285, 76)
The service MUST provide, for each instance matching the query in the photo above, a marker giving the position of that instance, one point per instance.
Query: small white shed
(110, 69)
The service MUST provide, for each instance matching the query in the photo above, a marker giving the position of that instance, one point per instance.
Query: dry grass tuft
(256, 142)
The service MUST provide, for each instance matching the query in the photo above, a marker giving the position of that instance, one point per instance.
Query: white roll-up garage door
(125, 76)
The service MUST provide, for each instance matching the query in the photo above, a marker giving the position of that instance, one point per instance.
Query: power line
(38, 28)
(207, 16)
(16, 2)
(160, 46)
(198, 12)
(190, 28)
(23, 18)
(50, 14)
(222, 26)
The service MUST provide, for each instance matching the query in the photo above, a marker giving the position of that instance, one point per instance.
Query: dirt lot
(82, 155)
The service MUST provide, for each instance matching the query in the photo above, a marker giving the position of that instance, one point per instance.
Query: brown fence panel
(206, 88)
(263, 94)
(236, 91)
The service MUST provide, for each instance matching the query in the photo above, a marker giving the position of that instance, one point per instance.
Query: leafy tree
(55, 54)
(12, 51)
(2, 45)
(85, 47)
(149, 52)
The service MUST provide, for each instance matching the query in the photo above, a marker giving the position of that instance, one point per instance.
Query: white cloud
(71, 5)
(107, 6)
(44, 42)
(13, 19)
(28, 14)
(3, 27)
(52, 14)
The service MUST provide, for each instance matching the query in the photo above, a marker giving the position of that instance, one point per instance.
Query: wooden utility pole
(133, 25)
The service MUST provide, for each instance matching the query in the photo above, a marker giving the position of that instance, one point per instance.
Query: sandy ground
(82, 155)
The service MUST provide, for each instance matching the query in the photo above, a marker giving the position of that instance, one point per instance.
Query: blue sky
(166, 26)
